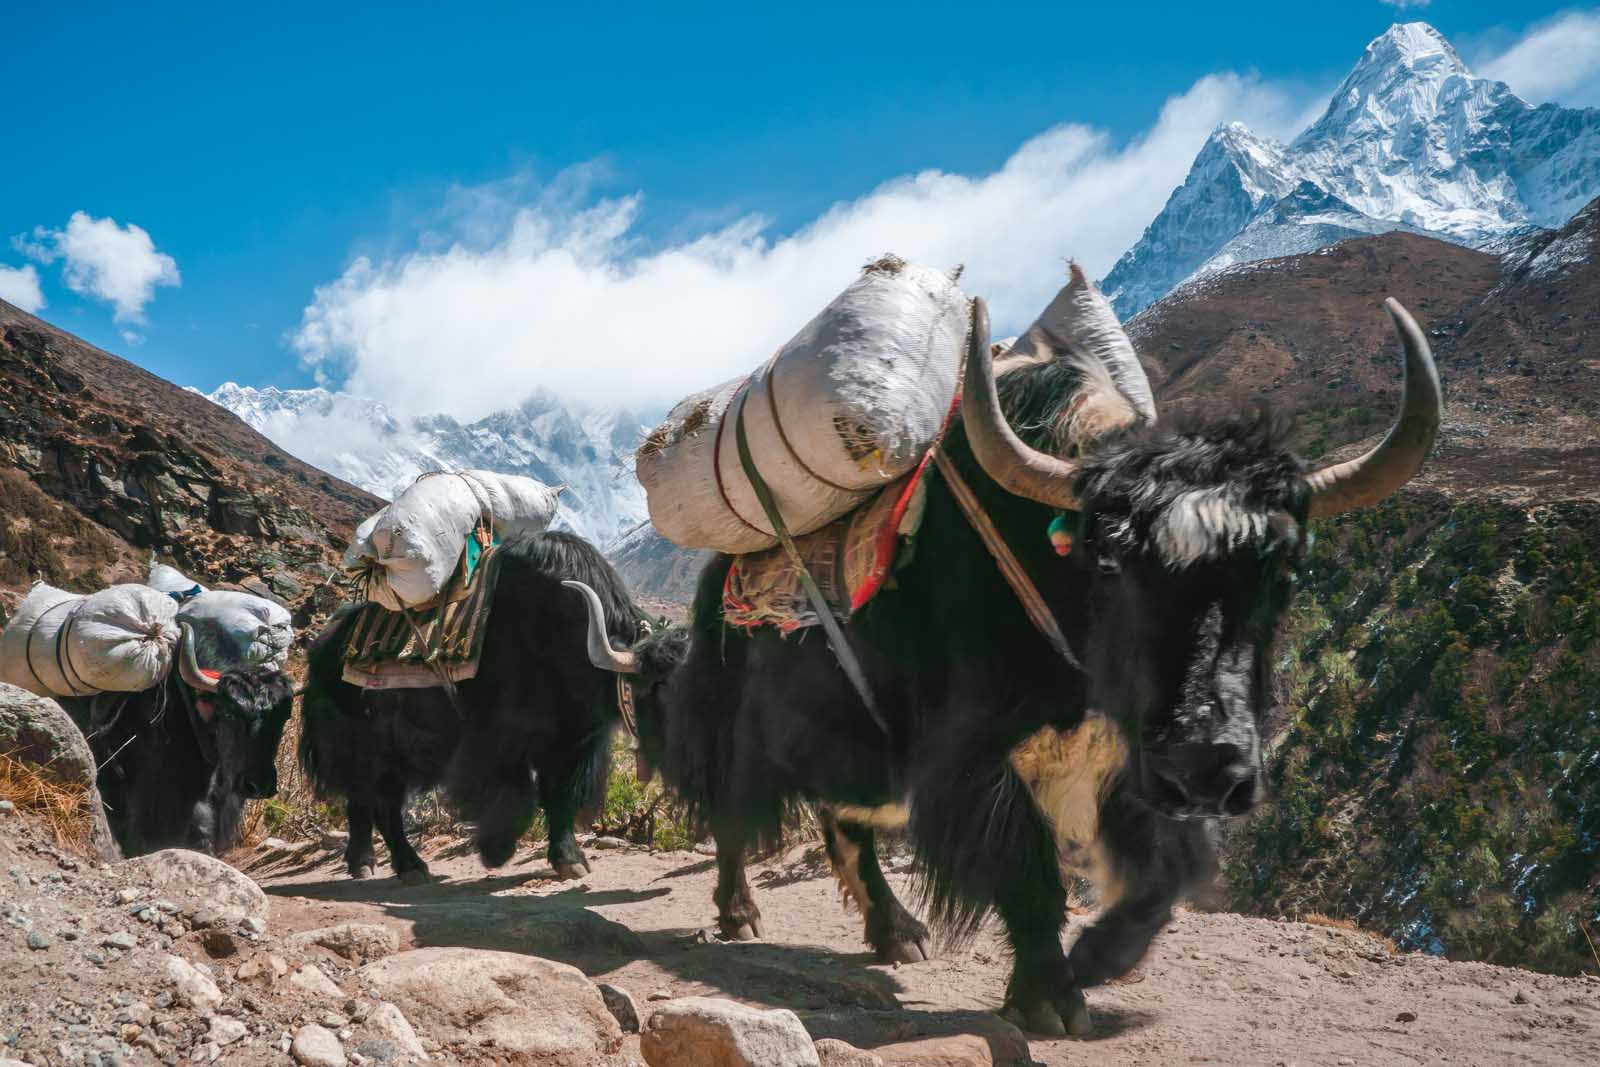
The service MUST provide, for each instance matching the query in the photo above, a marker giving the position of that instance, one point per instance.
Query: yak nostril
(1240, 797)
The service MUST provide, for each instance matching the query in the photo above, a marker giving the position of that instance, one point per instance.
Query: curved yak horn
(1003, 456)
(1368, 479)
(601, 654)
(188, 666)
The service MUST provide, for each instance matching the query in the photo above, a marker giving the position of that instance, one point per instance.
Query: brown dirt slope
(107, 463)
(1307, 334)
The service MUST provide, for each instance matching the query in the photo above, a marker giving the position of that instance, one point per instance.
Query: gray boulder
(706, 1032)
(519, 1010)
(37, 731)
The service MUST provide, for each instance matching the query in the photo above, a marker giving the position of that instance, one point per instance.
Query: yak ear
(1080, 328)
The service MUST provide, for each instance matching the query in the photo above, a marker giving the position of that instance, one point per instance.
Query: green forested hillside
(1436, 769)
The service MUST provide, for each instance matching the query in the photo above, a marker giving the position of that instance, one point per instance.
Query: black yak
(532, 729)
(178, 761)
(1019, 755)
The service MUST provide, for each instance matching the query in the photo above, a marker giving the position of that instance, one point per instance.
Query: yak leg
(391, 821)
(892, 931)
(505, 813)
(1153, 860)
(359, 858)
(738, 918)
(563, 790)
(984, 844)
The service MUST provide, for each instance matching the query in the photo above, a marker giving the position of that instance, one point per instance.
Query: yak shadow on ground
(836, 993)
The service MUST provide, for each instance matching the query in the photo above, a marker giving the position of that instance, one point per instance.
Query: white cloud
(1558, 60)
(560, 292)
(117, 264)
(1405, 5)
(20, 286)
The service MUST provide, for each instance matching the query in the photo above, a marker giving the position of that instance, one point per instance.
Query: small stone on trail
(702, 1030)
(1406, 1017)
(604, 843)
(225, 1031)
(124, 940)
(960, 1050)
(264, 968)
(353, 941)
(191, 985)
(1520, 998)
(127, 895)
(315, 1047)
(375, 1049)
(37, 941)
(619, 1002)
(213, 892)
(390, 1022)
(311, 980)
(6, 807)
(835, 1053)
(660, 994)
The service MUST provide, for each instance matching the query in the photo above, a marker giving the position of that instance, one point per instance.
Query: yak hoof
(415, 876)
(1041, 1018)
(1075, 1014)
(906, 951)
(362, 871)
(568, 872)
(732, 930)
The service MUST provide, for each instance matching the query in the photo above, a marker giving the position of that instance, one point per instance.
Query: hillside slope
(106, 463)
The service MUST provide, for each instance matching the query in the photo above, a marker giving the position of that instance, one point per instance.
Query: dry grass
(63, 810)
(1317, 918)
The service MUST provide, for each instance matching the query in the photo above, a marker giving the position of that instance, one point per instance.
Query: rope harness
(1016, 576)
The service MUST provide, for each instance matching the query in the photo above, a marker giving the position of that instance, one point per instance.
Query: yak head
(240, 716)
(1187, 543)
(645, 669)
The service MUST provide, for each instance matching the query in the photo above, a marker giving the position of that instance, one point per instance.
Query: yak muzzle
(1203, 781)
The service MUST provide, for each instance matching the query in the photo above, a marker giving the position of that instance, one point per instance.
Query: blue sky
(264, 150)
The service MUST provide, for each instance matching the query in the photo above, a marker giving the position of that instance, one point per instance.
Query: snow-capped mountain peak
(361, 441)
(1411, 139)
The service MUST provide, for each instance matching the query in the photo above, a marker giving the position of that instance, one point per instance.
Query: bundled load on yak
(846, 407)
(231, 628)
(405, 556)
(60, 644)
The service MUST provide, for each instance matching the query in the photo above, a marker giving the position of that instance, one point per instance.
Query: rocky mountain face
(1411, 140)
(106, 464)
(359, 439)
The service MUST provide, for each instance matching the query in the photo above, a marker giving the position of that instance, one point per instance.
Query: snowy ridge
(361, 441)
(1411, 140)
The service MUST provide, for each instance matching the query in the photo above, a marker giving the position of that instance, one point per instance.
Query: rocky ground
(178, 959)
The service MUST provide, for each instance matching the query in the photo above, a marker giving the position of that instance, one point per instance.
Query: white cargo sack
(407, 552)
(235, 629)
(850, 404)
(61, 644)
(173, 582)
(231, 628)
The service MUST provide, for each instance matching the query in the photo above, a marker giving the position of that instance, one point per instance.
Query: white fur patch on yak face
(1069, 773)
(1204, 524)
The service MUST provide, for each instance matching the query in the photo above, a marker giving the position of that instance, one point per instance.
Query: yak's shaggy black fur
(172, 777)
(533, 728)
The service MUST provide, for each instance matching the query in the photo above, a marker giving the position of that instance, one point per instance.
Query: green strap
(819, 604)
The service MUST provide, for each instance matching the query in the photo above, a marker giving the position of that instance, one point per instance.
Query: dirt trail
(1216, 989)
